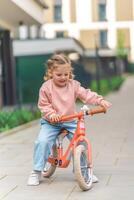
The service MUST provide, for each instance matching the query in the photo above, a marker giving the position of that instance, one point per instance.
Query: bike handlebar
(98, 109)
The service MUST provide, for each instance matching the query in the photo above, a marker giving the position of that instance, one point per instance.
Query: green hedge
(11, 119)
(107, 85)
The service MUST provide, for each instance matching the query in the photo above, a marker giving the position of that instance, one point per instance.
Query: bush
(10, 119)
(107, 85)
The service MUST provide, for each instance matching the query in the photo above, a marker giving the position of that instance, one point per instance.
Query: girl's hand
(105, 104)
(54, 118)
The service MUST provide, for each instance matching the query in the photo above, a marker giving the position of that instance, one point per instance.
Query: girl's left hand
(105, 104)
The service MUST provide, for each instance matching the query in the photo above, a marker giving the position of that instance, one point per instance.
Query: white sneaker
(34, 178)
(95, 179)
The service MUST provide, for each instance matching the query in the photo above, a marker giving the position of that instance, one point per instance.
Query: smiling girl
(57, 97)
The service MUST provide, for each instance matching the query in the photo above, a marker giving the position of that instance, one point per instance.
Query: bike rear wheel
(50, 168)
(83, 172)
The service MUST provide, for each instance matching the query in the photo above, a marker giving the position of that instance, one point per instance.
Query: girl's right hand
(105, 104)
(54, 118)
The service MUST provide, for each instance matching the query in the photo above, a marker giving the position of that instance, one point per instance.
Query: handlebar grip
(69, 117)
(97, 110)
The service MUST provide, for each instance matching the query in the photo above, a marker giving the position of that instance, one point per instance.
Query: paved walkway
(112, 137)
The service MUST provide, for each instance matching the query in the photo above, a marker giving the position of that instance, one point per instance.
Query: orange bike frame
(63, 159)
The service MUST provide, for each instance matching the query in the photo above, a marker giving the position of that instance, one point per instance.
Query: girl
(57, 97)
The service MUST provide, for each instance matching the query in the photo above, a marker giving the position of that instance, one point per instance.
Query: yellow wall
(124, 35)
(49, 12)
(87, 38)
(95, 10)
(73, 10)
(124, 10)
(66, 34)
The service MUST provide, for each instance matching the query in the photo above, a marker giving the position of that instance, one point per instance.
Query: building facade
(20, 14)
(109, 24)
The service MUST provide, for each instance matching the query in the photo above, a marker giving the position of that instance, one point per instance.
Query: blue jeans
(47, 138)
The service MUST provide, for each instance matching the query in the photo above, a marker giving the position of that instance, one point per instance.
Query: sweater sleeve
(86, 95)
(44, 104)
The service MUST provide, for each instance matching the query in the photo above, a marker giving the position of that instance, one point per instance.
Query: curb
(18, 128)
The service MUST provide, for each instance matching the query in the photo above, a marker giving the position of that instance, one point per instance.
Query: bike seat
(63, 132)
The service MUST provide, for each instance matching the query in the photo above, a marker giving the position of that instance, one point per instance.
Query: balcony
(30, 12)
(46, 46)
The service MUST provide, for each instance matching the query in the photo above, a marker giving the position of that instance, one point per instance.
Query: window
(59, 34)
(103, 38)
(102, 12)
(57, 13)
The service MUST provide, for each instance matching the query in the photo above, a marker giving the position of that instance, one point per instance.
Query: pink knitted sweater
(61, 100)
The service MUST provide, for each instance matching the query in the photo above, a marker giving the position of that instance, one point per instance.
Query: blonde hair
(54, 62)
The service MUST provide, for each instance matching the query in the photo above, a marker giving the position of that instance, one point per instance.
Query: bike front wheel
(83, 172)
(50, 168)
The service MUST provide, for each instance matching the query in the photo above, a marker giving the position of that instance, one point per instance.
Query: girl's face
(61, 75)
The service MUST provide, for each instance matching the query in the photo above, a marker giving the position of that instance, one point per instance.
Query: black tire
(83, 172)
(50, 168)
